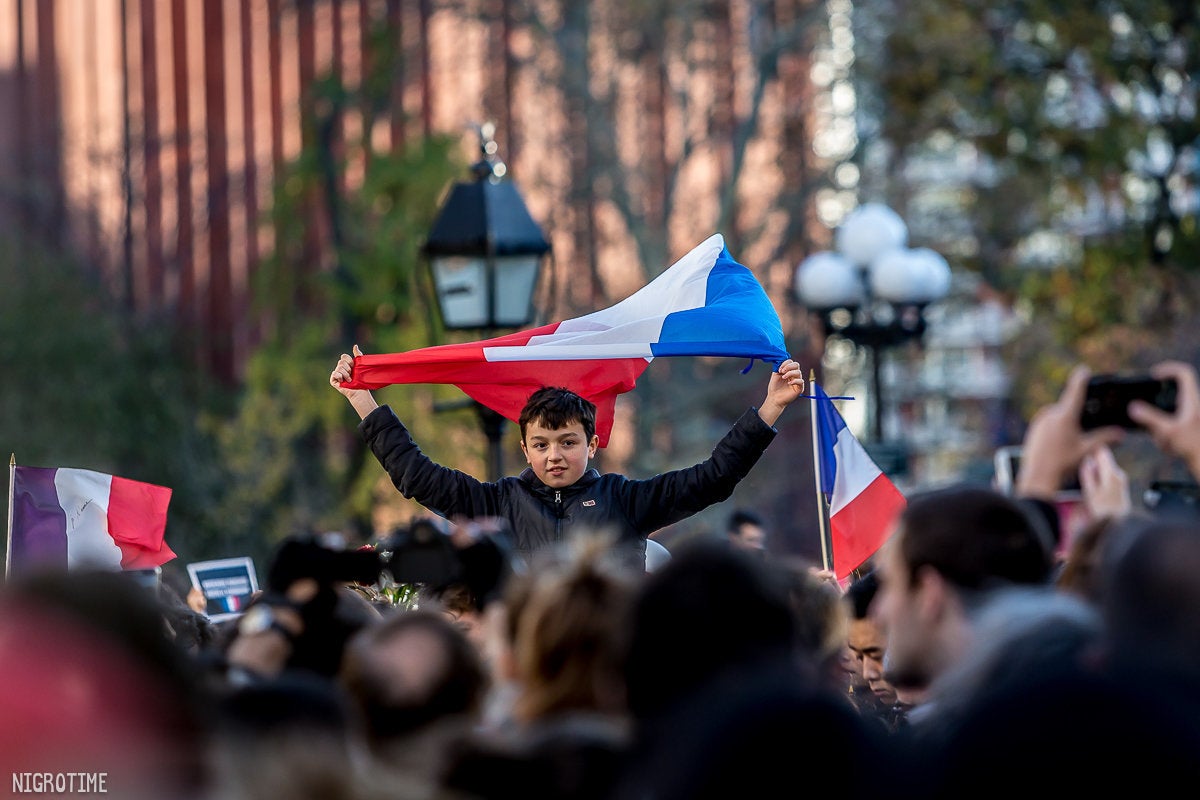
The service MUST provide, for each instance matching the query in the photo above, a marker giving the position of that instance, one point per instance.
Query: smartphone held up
(1108, 398)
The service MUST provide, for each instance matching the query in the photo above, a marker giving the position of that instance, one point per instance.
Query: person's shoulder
(594, 478)
(524, 478)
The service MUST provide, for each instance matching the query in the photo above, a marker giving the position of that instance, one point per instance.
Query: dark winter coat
(541, 516)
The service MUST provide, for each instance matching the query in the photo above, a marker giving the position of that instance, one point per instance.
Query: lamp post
(485, 255)
(873, 290)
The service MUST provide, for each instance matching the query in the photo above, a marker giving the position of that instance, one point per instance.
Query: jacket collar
(535, 485)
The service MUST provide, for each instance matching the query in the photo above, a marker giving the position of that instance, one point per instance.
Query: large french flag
(77, 518)
(863, 503)
(705, 304)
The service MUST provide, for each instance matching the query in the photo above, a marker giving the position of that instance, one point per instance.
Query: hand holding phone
(1055, 442)
(1176, 432)
(1108, 397)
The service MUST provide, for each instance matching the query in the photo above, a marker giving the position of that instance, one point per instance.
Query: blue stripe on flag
(829, 425)
(736, 320)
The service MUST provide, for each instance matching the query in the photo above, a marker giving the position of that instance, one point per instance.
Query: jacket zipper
(558, 517)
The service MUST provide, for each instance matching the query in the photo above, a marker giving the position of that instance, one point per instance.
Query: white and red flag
(76, 518)
(705, 304)
(863, 502)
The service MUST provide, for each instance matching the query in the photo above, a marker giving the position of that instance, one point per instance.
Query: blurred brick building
(148, 133)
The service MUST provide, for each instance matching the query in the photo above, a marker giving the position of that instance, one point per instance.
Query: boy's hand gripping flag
(705, 304)
(863, 503)
(70, 518)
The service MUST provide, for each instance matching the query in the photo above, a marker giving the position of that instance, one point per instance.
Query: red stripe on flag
(504, 386)
(438, 364)
(864, 524)
(137, 522)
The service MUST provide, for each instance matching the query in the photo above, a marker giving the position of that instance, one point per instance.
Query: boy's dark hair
(556, 407)
(860, 593)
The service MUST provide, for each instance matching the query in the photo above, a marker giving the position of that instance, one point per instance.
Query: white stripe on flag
(84, 495)
(569, 352)
(855, 471)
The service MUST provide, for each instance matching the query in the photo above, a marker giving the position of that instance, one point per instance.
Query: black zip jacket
(541, 516)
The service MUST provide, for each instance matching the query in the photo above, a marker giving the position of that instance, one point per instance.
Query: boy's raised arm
(362, 399)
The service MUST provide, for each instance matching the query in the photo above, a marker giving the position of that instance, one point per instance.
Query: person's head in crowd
(1083, 571)
(1030, 708)
(1151, 598)
(566, 634)
(711, 610)
(417, 686)
(724, 670)
(821, 619)
(500, 650)
(191, 630)
(300, 703)
(1020, 632)
(555, 722)
(950, 547)
(410, 670)
(867, 639)
(741, 735)
(566, 757)
(90, 681)
(558, 435)
(456, 601)
(293, 735)
(746, 529)
(854, 686)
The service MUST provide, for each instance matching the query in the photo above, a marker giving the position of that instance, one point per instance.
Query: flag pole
(826, 556)
(12, 470)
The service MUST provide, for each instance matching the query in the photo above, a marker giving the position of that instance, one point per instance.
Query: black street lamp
(485, 254)
(874, 290)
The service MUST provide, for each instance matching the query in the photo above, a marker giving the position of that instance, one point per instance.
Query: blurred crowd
(986, 648)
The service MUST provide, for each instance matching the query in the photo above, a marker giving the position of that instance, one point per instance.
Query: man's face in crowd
(898, 608)
(868, 644)
(558, 456)
(751, 537)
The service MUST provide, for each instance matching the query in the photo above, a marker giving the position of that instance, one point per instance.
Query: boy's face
(558, 456)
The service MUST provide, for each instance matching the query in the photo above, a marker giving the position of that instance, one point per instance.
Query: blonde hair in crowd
(566, 634)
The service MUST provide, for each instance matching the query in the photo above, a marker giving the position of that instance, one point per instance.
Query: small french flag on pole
(863, 503)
